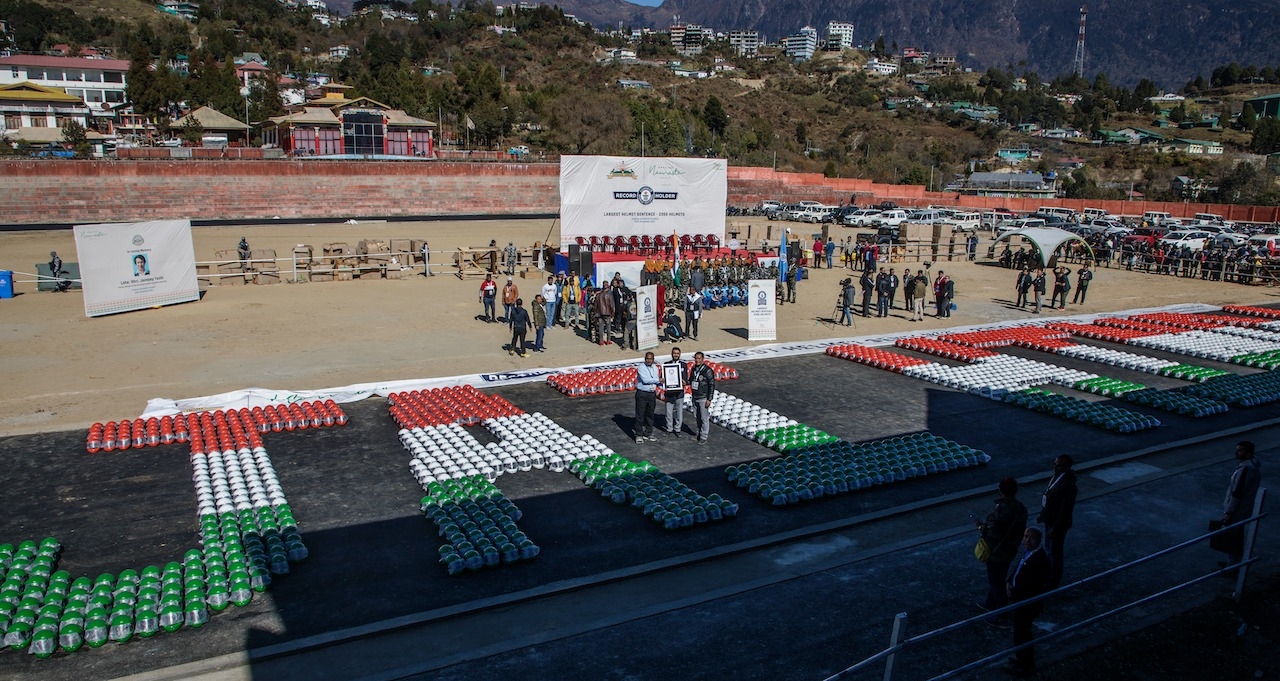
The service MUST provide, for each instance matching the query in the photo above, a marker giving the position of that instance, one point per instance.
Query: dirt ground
(64, 370)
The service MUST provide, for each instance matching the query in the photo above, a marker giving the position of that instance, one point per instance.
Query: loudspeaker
(585, 264)
(574, 251)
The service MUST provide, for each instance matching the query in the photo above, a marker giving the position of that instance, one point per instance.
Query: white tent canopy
(1046, 239)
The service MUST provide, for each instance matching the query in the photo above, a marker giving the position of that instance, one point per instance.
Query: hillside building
(839, 35)
(1010, 185)
(99, 83)
(802, 45)
(1266, 105)
(747, 43)
(335, 126)
(35, 113)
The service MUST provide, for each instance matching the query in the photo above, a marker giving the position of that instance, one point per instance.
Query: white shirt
(549, 292)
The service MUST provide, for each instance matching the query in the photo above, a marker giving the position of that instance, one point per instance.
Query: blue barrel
(6, 284)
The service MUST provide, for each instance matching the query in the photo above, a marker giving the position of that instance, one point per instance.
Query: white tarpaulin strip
(261, 397)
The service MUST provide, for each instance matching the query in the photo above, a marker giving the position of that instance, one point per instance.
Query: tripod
(833, 320)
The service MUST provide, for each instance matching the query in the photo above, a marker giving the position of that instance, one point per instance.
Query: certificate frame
(671, 378)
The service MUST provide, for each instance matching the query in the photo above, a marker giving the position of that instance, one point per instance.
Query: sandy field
(63, 370)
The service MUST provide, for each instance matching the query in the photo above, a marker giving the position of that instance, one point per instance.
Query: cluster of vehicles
(1154, 229)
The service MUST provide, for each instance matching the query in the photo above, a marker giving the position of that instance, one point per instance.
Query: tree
(582, 122)
(1248, 118)
(714, 117)
(191, 131)
(917, 175)
(802, 134)
(1266, 136)
(76, 136)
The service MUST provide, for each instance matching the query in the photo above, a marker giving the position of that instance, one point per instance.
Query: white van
(964, 222)
(1094, 213)
(1156, 217)
(1267, 244)
(1065, 213)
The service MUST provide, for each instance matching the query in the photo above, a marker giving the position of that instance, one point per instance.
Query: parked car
(861, 217)
(1146, 235)
(769, 206)
(1155, 216)
(966, 223)
(927, 216)
(1016, 224)
(1108, 227)
(1267, 244)
(1195, 240)
(992, 218)
(791, 211)
(1095, 213)
(1229, 240)
(817, 213)
(890, 218)
(886, 205)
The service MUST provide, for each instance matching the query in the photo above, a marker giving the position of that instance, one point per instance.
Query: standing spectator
(519, 328)
(489, 296)
(571, 299)
(512, 256)
(602, 314)
(817, 253)
(847, 252)
(1002, 529)
(973, 247)
(921, 283)
(943, 292)
(561, 280)
(1083, 277)
(1058, 505)
(795, 285)
(1025, 280)
(702, 386)
(1027, 581)
(1241, 492)
(673, 397)
(550, 298)
(243, 250)
(847, 298)
(618, 289)
(692, 312)
(868, 285)
(1061, 286)
(1038, 284)
(697, 278)
(646, 398)
(908, 289)
(510, 293)
(894, 283)
(60, 284)
(882, 293)
(539, 321)
(829, 249)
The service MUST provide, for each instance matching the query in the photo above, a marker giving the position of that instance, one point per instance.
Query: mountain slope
(1167, 42)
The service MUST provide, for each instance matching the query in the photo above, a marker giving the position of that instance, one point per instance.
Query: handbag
(982, 550)
(1230, 542)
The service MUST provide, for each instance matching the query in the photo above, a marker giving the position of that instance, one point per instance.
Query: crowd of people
(671, 378)
(1004, 531)
(884, 286)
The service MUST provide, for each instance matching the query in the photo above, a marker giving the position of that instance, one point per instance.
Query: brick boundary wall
(58, 191)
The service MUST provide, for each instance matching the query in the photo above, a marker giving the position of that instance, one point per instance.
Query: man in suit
(1029, 580)
(1059, 503)
(1022, 286)
(868, 285)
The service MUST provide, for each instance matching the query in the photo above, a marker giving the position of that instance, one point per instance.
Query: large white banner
(629, 196)
(647, 311)
(135, 265)
(762, 311)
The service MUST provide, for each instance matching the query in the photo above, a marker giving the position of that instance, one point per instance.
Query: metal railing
(891, 656)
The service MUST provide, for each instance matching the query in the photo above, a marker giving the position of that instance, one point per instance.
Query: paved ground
(780, 593)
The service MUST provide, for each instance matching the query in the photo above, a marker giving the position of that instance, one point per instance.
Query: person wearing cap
(549, 295)
(1002, 530)
(510, 292)
(512, 255)
(646, 398)
(519, 328)
(243, 250)
(55, 270)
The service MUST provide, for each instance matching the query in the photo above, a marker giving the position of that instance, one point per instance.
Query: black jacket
(1003, 529)
(519, 319)
(706, 379)
(1059, 502)
(1030, 579)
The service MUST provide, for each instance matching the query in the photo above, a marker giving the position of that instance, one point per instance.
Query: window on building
(92, 96)
(39, 121)
(362, 133)
(35, 74)
(114, 96)
(113, 76)
(13, 71)
(12, 121)
(75, 93)
(93, 77)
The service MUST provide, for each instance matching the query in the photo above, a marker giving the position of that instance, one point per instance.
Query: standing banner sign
(647, 317)
(649, 196)
(762, 316)
(134, 265)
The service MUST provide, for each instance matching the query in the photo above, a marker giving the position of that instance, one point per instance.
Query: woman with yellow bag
(1000, 536)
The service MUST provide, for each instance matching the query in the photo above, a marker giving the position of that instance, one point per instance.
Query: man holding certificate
(673, 382)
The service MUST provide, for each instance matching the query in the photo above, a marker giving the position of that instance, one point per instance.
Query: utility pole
(1079, 60)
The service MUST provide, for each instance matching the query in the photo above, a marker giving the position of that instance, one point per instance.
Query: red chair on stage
(633, 245)
(619, 243)
(595, 243)
(713, 242)
(686, 243)
(699, 242)
(582, 242)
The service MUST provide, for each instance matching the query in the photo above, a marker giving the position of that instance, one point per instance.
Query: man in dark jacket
(1243, 489)
(1037, 285)
(519, 322)
(1027, 581)
(1022, 286)
(847, 298)
(868, 285)
(702, 387)
(1059, 503)
(1002, 530)
(1083, 277)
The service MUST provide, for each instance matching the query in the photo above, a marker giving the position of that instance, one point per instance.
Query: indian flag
(675, 268)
